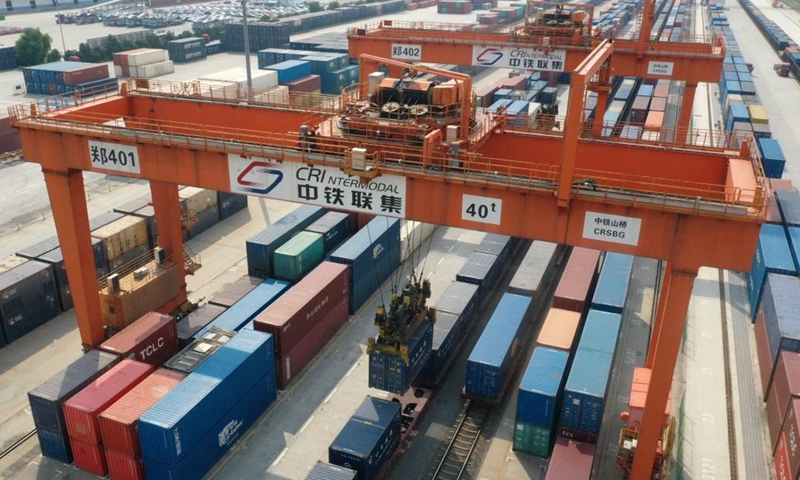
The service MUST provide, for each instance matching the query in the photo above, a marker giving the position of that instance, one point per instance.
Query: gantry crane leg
(166, 204)
(659, 318)
(67, 200)
(665, 344)
(687, 105)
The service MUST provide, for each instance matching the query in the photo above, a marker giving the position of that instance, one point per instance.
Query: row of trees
(34, 47)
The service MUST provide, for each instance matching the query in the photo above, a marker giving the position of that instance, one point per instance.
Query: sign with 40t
(481, 209)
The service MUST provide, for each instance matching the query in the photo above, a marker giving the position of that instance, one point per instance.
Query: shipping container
(534, 272)
(124, 467)
(785, 386)
(541, 386)
(570, 461)
(230, 203)
(586, 388)
(773, 255)
(559, 329)
(491, 362)
(576, 283)
(246, 309)
(482, 269)
(195, 199)
(781, 460)
(195, 321)
(118, 421)
(501, 246)
(298, 256)
(772, 157)
(81, 411)
(151, 339)
(289, 366)
(199, 350)
(762, 352)
(326, 471)
(781, 306)
(364, 445)
(179, 421)
(122, 236)
(793, 234)
(532, 439)
(292, 316)
(89, 457)
(334, 228)
(205, 220)
(447, 333)
(612, 284)
(789, 203)
(47, 399)
(28, 297)
(460, 299)
(291, 70)
(791, 430)
(227, 428)
(391, 373)
(233, 292)
(261, 246)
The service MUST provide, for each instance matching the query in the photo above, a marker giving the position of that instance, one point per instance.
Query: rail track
(464, 437)
(16, 444)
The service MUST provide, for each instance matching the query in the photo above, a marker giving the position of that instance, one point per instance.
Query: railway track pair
(463, 439)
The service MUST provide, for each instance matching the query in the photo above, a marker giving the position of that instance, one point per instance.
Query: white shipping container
(117, 71)
(146, 56)
(197, 199)
(412, 236)
(276, 96)
(217, 89)
(154, 69)
(262, 79)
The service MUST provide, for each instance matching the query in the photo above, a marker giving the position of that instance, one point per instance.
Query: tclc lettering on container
(152, 348)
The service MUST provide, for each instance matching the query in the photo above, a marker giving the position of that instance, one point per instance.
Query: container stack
(776, 321)
(8, 58)
(152, 339)
(125, 240)
(298, 256)
(28, 296)
(241, 314)
(303, 319)
(391, 373)
(459, 7)
(484, 265)
(143, 63)
(232, 83)
(773, 255)
(195, 321)
(261, 247)
(68, 77)
(334, 228)
(230, 203)
(262, 35)
(187, 49)
(333, 42)
(200, 206)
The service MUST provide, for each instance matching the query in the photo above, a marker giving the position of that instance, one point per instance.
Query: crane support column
(659, 318)
(676, 296)
(67, 199)
(166, 204)
(685, 117)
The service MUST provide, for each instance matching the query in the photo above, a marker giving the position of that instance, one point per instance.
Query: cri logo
(260, 188)
(489, 56)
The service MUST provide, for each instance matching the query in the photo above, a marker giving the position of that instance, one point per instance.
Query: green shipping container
(531, 439)
(298, 256)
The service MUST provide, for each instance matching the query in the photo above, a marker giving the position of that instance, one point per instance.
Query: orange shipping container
(576, 283)
(654, 120)
(558, 330)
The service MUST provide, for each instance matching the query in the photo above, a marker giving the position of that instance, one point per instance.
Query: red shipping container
(86, 74)
(514, 83)
(289, 366)
(774, 212)
(151, 339)
(297, 311)
(781, 184)
(118, 422)
(791, 435)
(123, 467)
(570, 461)
(89, 457)
(576, 282)
(81, 411)
(762, 353)
(782, 460)
(785, 386)
(309, 84)
(658, 104)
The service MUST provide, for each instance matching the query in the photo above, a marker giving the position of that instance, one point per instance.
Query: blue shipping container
(172, 427)
(534, 269)
(28, 298)
(789, 204)
(246, 309)
(334, 228)
(772, 157)
(488, 364)
(585, 391)
(781, 305)
(261, 247)
(364, 446)
(447, 333)
(326, 471)
(230, 203)
(541, 386)
(500, 246)
(612, 284)
(363, 288)
(291, 70)
(773, 255)
(794, 245)
(390, 373)
(480, 269)
(220, 438)
(460, 299)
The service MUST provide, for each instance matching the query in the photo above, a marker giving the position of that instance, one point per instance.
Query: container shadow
(38, 340)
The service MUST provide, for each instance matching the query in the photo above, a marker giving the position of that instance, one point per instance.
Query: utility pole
(247, 51)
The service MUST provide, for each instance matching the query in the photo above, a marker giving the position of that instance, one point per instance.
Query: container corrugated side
(791, 429)
(294, 314)
(498, 245)
(785, 386)
(773, 255)
(488, 364)
(368, 246)
(89, 457)
(541, 387)
(28, 298)
(390, 373)
(781, 460)
(574, 288)
(447, 332)
(326, 471)
(228, 427)
(793, 234)
(123, 467)
(765, 360)
(54, 444)
(482, 269)
(365, 447)
(789, 203)
(586, 388)
(570, 461)
(152, 339)
(781, 305)
(233, 292)
(298, 256)
(56, 259)
(262, 245)
(205, 220)
(612, 284)
(334, 228)
(362, 289)
(246, 309)
(118, 421)
(230, 204)
(459, 298)
(171, 427)
(532, 439)
(534, 270)
(47, 399)
(559, 329)
(81, 411)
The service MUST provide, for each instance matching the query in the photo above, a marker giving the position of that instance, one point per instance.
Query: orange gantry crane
(411, 148)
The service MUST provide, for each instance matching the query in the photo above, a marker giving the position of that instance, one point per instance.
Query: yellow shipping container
(306, 99)
(758, 114)
(197, 199)
(123, 235)
(138, 296)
